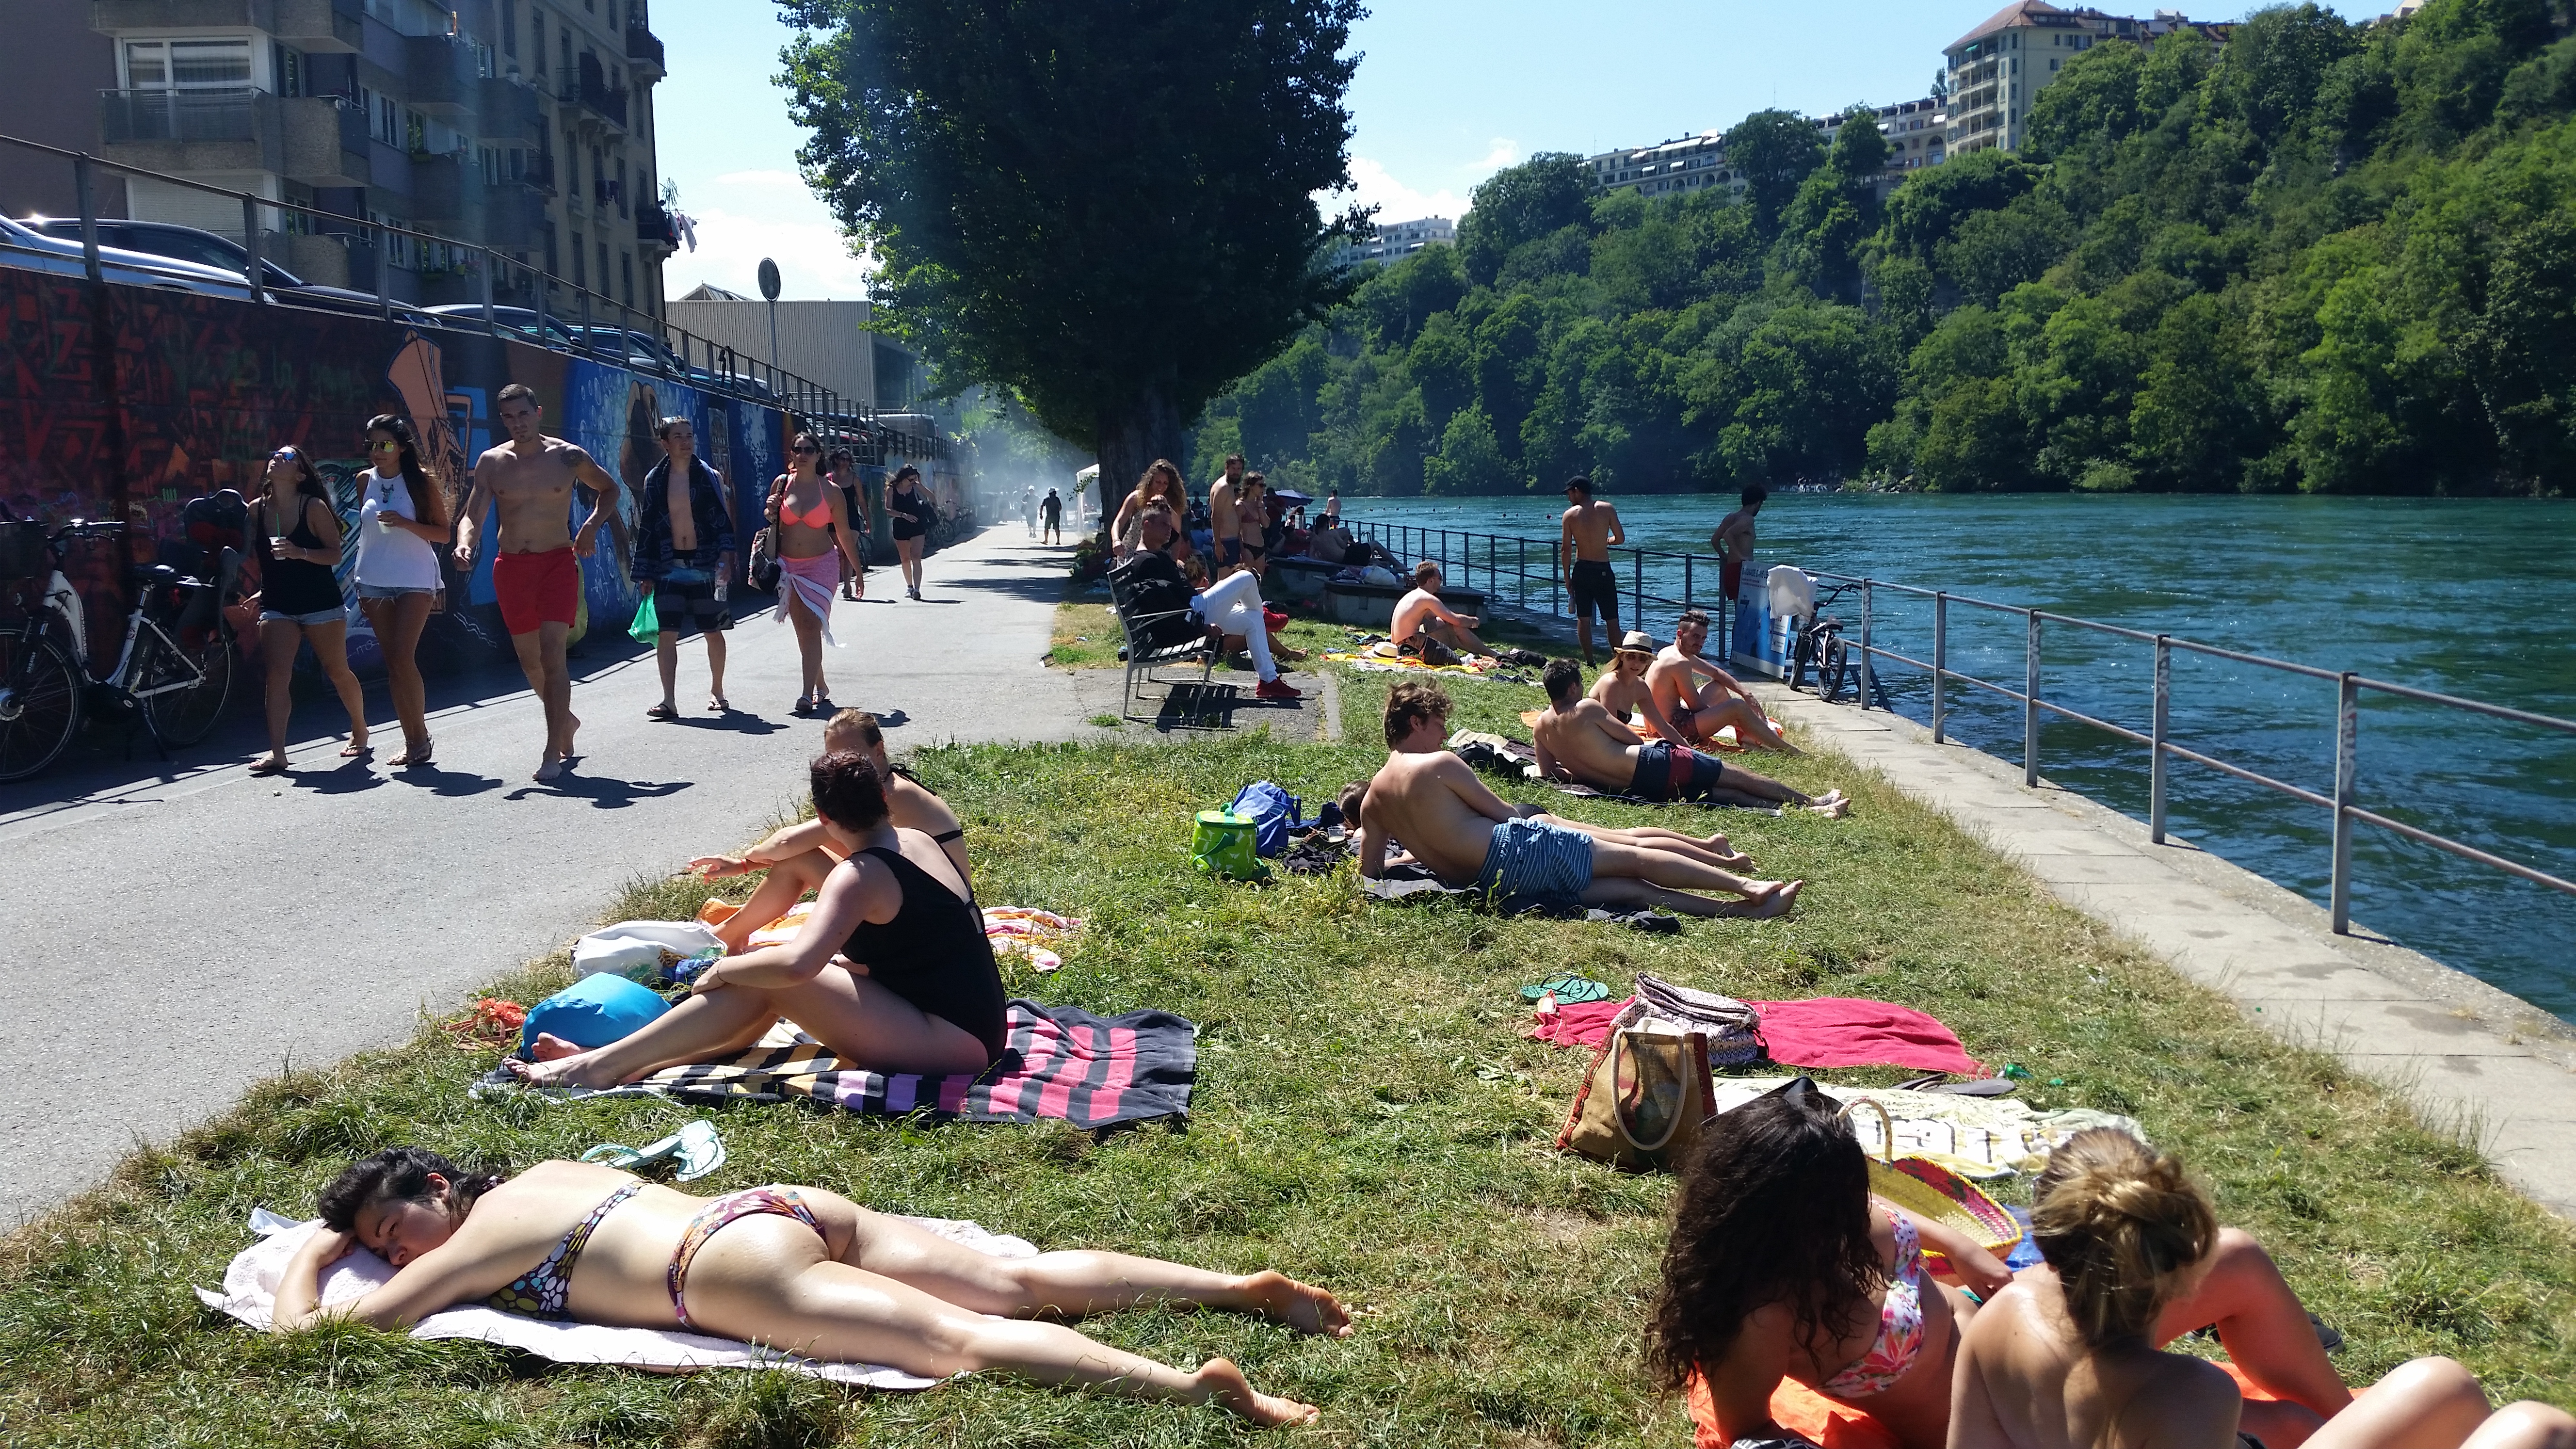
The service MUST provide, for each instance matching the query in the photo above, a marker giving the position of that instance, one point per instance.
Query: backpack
(1273, 813)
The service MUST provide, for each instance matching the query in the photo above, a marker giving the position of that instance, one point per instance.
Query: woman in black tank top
(296, 534)
(921, 993)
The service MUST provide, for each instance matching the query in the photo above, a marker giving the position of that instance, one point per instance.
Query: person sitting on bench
(1578, 740)
(1699, 710)
(1231, 605)
(1432, 800)
(1425, 626)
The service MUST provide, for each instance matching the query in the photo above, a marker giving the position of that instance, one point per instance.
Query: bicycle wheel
(40, 693)
(1834, 670)
(188, 688)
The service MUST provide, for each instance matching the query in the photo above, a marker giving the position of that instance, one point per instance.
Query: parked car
(222, 253)
(522, 320)
(22, 246)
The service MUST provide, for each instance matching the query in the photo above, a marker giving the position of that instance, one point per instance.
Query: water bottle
(724, 586)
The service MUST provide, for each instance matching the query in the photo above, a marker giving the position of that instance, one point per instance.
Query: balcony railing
(654, 227)
(644, 52)
(588, 88)
(230, 113)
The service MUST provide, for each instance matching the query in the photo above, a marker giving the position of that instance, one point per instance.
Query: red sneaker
(1277, 689)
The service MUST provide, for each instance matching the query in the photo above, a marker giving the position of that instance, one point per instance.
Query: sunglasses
(806, 450)
(286, 453)
(380, 447)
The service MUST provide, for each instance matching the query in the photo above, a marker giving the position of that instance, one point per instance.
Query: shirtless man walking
(1699, 710)
(537, 576)
(1590, 530)
(1578, 740)
(1225, 513)
(1432, 801)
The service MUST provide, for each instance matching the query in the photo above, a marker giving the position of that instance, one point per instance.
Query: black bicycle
(1820, 642)
(173, 674)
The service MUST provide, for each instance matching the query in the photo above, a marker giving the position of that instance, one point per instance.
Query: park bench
(1157, 637)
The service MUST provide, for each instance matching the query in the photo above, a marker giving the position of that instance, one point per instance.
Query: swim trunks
(1229, 551)
(1428, 649)
(1533, 863)
(685, 601)
(1593, 588)
(1671, 772)
(535, 589)
(1730, 576)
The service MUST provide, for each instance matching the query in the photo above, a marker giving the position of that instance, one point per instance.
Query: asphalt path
(176, 933)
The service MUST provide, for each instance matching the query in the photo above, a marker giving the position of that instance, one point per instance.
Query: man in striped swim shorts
(1428, 798)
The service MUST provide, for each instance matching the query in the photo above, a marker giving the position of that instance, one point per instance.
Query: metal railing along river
(1507, 558)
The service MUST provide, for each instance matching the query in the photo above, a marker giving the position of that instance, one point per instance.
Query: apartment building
(1685, 163)
(1917, 136)
(1999, 68)
(522, 126)
(1396, 240)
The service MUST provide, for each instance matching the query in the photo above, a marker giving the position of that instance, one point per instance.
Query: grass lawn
(1366, 1116)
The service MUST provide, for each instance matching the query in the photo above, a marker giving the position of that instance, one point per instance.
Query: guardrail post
(1636, 589)
(2347, 765)
(540, 289)
(2030, 707)
(1524, 543)
(1940, 664)
(2156, 741)
(253, 273)
(587, 341)
(1865, 593)
(1687, 561)
(88, 218)
(383, 254)
(491, 320)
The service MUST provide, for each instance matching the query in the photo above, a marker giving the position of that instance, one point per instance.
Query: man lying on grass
(1432, 801)
(797, 1268)
(1580, 740)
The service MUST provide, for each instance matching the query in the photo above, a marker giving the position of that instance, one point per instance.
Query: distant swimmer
(1591, 529)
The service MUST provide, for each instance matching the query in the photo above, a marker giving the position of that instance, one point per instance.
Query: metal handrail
(1413, 541)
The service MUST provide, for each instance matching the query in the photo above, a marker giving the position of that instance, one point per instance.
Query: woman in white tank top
(402, 518)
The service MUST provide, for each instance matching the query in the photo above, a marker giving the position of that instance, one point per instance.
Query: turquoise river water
(2473, 598)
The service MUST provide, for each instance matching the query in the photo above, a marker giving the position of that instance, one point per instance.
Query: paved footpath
(2470, 1057)
(175, 937)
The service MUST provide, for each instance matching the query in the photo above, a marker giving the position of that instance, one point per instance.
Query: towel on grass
(1979, 1137)
(250, 1294)
(1061, 1062)
(1028, 932)
(1828, 1031)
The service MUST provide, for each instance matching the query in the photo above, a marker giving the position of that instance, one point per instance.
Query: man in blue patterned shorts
(1431, 800)
(1580, 740)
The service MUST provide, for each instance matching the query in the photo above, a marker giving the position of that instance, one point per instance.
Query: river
(2468, 597)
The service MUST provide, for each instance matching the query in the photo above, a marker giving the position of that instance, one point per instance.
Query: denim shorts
(318, 616)
(381, 591)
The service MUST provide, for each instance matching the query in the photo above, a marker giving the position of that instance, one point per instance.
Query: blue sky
(1449, 91)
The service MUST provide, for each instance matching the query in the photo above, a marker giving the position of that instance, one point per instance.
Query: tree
(1549, 192)
(1773, 151)
(1108, 208)
(1470, 459)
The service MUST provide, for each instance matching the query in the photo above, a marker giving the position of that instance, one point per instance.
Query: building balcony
(539, 172)
(595, 106)
(325, 141)
(514, 217)
(444, 189)
(507, 110)
(440, 75)
(654, 228)
(316, 26)
(233, 128)
(644, 53)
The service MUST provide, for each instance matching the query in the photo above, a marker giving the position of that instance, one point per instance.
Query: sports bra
(818, 516)
(1900, 1324)
(539, 1292)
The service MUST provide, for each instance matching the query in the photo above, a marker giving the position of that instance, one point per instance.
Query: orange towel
(1803, 1411)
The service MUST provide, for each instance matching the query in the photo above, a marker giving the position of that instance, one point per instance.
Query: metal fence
(1508, 559)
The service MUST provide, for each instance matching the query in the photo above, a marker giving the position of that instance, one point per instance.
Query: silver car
(22, 246)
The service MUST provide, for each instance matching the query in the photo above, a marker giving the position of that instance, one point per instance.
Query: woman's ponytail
(2123, 1226)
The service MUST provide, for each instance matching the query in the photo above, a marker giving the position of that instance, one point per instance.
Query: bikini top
(1900, 1324)
(818, 516)
(539, 1292)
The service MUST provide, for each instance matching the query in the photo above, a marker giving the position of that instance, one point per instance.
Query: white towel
(250, 1294)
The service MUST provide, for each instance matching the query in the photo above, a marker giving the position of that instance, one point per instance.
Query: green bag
(647, 627)
(1221, 844)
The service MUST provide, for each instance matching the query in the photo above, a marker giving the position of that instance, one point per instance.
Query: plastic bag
(1221, 845)
(648, 622)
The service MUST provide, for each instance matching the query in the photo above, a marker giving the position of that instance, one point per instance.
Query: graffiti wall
(125, 402)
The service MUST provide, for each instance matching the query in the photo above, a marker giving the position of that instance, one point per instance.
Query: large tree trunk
(1130, 441)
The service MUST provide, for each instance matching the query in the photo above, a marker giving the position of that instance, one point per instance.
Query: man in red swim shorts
(536, 576)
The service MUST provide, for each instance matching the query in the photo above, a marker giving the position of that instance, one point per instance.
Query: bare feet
(1768, 898)
(577, 1070)
(566, 749)
(273, 765)
(356, 748)
(1301, 1306)
(1831, 805)
(551, 767)
(1226, 1387)
(552, 1048)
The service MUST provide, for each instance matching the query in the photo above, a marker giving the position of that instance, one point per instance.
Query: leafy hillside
(2324, 256)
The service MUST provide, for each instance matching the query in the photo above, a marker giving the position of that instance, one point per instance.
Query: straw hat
(1638, 641)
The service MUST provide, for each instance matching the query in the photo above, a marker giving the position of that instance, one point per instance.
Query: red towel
(1828, 1031)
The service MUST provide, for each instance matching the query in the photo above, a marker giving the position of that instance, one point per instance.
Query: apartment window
(510, 27)
(566, 38)
(603, 266)
(621, 188)
(537, 37)
(187, 65)
(552, 266)
(578, 278)
(2052, 64)
(490, 160)
(286, 67)
(626, 276)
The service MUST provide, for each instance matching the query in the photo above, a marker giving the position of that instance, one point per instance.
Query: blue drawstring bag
(1273, 813)
(598, 1009)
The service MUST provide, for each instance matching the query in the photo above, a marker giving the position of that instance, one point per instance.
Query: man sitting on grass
(1578, 740)
(1432, 801)
(1425, 626)
(798, 856)
(1699, 710)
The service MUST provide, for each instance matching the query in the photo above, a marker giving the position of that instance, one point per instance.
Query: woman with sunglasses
(910, 511)
(814, 540)
(402, 517)
(297, 537)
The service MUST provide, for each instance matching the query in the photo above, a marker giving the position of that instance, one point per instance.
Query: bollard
(384, 277)
(88, 218)
(491, 321)
(2347, 765)
(253, 273)
(1940, 664)
(2030, 708)
(2156, 741)
(1864, 643)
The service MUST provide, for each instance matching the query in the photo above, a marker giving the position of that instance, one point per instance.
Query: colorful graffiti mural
(125, 402)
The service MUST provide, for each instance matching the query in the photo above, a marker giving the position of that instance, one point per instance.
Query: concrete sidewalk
(2470, 1057)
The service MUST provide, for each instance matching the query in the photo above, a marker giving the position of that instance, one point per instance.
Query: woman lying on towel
(797, 1268)
(921, 992)
(2065, 1358)
(1783, 1266)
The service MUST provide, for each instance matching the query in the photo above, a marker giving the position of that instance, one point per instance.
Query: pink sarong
(812, 581)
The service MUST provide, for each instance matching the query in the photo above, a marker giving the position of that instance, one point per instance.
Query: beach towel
(1029, 933)
(1474, 666)
(1061, 1062)
(812, 580)
(1829, 1425)
(250, 1294)
(1977, 1137)
(1827, 1031)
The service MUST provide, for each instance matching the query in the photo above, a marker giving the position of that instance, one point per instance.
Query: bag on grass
(1642, 1104)
(1734, 1029)
(592, 1012)
(1273, 813)
(648, 621)
(1221, 845)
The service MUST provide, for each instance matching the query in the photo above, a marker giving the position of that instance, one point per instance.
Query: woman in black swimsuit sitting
(922, 993)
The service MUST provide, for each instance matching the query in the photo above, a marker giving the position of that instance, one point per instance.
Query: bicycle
(174, 671)
(1820, 642)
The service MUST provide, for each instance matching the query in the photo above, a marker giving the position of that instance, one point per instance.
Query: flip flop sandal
(1569, 990)
(695, 1150)
(661, 711)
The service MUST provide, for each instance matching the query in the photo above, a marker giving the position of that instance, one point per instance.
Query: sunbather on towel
(2067, 1357)
(1700, 698)
(800, 1268)
(799, 856)
(1578, 740)
(1711, 849)
(1781, 1265)
(1431, 800)
(892, 969)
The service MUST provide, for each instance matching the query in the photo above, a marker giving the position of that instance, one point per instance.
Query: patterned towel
(1061, 1062)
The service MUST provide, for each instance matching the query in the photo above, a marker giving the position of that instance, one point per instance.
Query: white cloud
(814, 260)
(1505, 152)
(1395, 201)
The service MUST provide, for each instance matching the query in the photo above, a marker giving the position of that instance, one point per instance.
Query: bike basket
(22, 550)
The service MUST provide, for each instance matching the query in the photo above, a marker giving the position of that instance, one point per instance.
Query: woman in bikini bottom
(1782, 1266)
(798, 1268)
